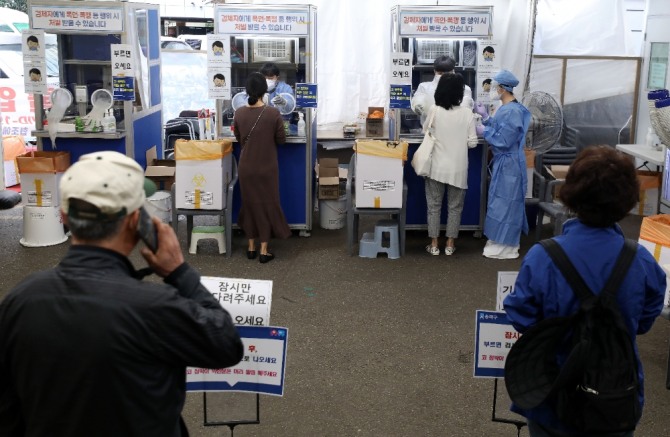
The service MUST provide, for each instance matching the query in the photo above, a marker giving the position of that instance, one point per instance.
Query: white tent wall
(657, 30)
(598, 96)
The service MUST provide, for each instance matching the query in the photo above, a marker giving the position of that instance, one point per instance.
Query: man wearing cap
(506, 134)
(89, 349)
(424, 97)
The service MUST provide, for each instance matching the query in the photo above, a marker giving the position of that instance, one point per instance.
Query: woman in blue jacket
(600, 187)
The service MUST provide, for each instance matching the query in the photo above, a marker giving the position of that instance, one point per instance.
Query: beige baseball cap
(104, 186)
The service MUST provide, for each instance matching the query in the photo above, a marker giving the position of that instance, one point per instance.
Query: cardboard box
(379, 173)
(655, 237)
(11, 173)
(204, 168)
(41, 173)
(557, 172)
(374, 127)
(160, 171)
(650, 185)
(530, 166)
(329, 178)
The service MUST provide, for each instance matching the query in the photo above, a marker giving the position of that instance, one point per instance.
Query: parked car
(169, 43)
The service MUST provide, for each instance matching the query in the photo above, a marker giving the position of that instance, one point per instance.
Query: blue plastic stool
(386, 231)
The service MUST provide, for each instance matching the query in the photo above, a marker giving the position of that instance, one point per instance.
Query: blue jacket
(541, 291)
(506, 210)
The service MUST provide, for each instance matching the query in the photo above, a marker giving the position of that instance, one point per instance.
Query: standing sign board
(506, 282)
(494, 337)
(262, 368)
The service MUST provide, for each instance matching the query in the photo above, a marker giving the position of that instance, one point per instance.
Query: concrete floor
(377, 347)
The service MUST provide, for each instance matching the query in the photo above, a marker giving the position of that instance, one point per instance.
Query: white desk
(644, 152)
(648, 156)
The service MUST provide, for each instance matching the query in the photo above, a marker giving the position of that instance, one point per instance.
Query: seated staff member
(275, 86)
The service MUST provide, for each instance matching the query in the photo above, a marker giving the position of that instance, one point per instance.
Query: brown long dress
(261, 216)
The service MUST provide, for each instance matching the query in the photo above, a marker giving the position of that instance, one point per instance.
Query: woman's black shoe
(251, 254)
(266, 258)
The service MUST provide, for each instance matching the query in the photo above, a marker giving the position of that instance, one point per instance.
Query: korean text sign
(494, 337)
(400, 96)
(442, 24)
(247, 300)
(306, 95)
(237, 21)
(261, 370)
(75, 17)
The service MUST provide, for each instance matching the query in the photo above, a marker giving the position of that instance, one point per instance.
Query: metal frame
(310, 77)
(231, 423)
(638, 71)
(128, 36)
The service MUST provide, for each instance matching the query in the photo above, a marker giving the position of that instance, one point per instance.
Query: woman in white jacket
(454, 129)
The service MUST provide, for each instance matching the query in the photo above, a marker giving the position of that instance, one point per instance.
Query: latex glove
(418, 109)
(480, 109)
(480, 130)
(278, 101)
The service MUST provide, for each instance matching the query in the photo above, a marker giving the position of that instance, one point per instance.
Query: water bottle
(301, 125)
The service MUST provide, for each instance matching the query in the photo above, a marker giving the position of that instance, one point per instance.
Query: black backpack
(596, 389)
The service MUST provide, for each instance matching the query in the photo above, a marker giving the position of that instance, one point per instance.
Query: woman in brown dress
(259, 129)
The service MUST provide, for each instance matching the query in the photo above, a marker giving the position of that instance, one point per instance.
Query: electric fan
(546, 123)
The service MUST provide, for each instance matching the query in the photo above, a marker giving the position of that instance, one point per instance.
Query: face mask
(493, 94)
(271, 84)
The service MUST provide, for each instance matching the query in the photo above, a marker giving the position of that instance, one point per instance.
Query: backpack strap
(568, 270)
(575, 280)
(621, 267)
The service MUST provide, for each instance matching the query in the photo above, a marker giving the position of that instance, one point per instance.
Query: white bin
(42, 226)
(333, 213)
(160, 205)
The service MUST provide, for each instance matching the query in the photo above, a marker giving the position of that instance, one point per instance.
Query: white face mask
(271, 84)
(493, 94)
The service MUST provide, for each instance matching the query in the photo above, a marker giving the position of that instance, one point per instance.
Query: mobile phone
(147, 231)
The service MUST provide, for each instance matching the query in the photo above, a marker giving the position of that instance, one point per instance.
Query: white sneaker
(432, 250)
(449, 250)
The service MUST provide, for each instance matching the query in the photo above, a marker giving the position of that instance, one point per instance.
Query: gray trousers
(455, 200)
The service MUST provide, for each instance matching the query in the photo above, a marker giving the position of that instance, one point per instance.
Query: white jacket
(454, 130)
(425, 96)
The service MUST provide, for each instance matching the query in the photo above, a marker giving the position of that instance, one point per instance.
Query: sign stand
(519, 424)
(233, 423)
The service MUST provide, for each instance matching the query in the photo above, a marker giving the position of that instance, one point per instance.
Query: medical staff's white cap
(506, 80)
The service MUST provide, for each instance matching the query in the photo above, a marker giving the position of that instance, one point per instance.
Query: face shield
(495, 92)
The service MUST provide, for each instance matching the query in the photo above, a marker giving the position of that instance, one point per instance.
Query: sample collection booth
(89, 71)
(426, 33)
(286, 36)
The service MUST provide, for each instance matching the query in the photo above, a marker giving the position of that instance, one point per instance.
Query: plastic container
(333, 213)
(42, 226)
(160, 205)
(301, 125)
(109, 122)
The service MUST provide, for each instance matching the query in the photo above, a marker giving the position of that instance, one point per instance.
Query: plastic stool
(205, 232)
(373, 243)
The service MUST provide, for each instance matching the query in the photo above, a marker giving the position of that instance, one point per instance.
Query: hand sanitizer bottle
(301, 124)
(109, 122)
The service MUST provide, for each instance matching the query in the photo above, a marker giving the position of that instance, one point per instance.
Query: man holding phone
(87, 347)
